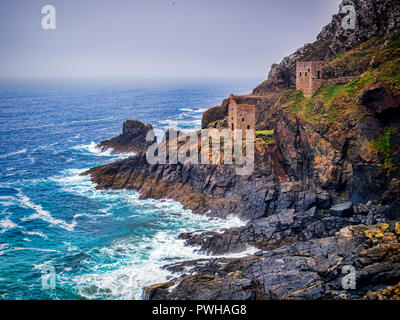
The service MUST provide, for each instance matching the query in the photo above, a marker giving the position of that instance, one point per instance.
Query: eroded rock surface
(304, 270)
(132, 139)
(324, 194)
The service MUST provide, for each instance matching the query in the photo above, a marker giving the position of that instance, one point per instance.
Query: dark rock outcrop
(317, 179)
(132, 139)
(213, 114)
(269, 233)
(305, 167)
(304, 270)
(374, 18)
(344, 209)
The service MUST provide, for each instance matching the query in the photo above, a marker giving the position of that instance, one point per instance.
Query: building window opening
(305, 74)
(242, 119)
(248, 127)
(319, 75)
(232, 127)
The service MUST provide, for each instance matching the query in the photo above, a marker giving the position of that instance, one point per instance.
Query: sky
(133, 39)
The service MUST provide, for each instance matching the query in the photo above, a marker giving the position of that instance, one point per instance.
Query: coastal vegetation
(382, 146)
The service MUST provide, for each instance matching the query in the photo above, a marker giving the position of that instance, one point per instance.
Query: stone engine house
(309, 77)
(241, 116)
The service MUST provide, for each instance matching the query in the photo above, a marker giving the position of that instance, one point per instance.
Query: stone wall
(338, 81)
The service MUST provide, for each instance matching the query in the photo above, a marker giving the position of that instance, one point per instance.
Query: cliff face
(333, 161)
(213, 114)
(374, 18)
(308, 165)
(132, 139)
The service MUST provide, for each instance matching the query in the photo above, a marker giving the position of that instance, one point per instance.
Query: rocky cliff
(325, 190)
(132, 139)
(373, 19)
(304, 270)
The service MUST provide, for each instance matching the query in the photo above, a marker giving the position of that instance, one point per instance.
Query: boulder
(344, 209)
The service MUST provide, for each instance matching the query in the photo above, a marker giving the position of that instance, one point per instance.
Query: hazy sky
(155, 38)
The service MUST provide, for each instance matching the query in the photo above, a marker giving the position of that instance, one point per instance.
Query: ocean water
(60, 238)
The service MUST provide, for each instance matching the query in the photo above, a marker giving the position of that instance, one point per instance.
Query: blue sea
(55, 227)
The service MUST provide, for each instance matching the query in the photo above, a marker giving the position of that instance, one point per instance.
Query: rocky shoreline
(304, 270)
(324, 194)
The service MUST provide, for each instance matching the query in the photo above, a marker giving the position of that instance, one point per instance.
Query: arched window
(242, 119)
(232, 126)
(248, 127)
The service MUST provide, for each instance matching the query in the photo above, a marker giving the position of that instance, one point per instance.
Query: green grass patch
(295, 102)
(265, 132)
(341, 102)
(382, 146)
(264, 142)
(389, 74)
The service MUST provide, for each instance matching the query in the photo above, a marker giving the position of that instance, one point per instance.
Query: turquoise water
(100, 244)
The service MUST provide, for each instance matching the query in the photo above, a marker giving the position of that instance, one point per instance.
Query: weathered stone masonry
(309, 77)
(241, 116)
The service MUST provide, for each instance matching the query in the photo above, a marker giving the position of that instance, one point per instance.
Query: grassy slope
(379, 62)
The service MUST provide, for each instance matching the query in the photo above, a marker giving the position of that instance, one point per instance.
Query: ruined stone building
(241, 116)
(309, 77)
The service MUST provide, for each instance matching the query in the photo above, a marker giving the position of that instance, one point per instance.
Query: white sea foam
(6, 225)
(193, 110)
(2, 247)
(42, 214)
(93, 149)
(2, 156)
(177, 124)
(181, 125)
(70, 247)
(139, 265)
(132, 272)
(32, 159)
(106, 213)
(134, 263)
(7, 198)
(36, 233)
(45, 264)
(7, 201)
(6, 204)
(45, 146)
